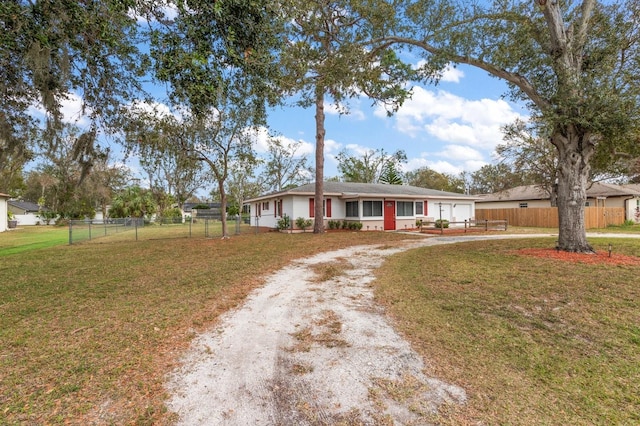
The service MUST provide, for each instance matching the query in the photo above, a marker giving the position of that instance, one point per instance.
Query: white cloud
(451, 118)
(344, 111)
(451, 74)
(169, 10)
(154, 108)
(330, 146)
(460, 153)
(262, 137)
(71, 109)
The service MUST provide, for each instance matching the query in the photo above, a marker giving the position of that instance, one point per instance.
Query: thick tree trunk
(575, 151)
(318, 225)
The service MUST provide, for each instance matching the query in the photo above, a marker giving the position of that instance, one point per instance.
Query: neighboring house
(3, 212)
(213, 212)
(376, 206)
(26, 212)
(599, 195)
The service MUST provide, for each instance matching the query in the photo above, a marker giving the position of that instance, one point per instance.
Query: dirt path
(310, 348)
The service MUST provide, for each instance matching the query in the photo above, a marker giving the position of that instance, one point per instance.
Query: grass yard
(89, 331)
(29, 238)
(532, 340)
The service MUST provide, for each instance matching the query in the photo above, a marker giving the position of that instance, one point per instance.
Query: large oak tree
(575, 64)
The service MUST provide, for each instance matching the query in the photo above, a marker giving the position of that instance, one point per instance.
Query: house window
(372, 208)
(326, 207)
(352, 208)
(419, 210)
(265, 205)
(587, 203)
(404, 208)
(524, 205)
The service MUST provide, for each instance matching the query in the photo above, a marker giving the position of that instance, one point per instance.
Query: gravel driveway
(310, 347)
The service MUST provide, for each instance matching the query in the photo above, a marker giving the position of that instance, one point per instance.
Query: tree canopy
(51, 51)
(575, 64)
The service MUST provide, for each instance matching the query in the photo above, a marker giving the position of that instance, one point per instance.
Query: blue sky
(450, 127)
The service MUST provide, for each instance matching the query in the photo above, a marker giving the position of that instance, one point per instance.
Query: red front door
(389, 215)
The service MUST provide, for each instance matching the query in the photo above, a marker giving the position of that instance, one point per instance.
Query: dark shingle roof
(27, 206)
(532, 192)
(346, 189)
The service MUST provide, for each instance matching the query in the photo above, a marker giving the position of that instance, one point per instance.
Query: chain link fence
(137, 229)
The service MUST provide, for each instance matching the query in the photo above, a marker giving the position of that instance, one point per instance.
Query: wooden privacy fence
(547, 217)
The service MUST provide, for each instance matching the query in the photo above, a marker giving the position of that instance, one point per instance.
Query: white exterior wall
(28, 219)
(633, 209)
(3, 214)
(296, 206)
(451, 210)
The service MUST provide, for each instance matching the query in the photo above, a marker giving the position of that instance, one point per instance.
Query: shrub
(303, 223)
(201, 207)
(284, 222)
(345, 225)
(334, 224)
(442, 223)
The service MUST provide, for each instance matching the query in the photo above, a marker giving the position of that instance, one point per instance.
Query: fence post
(257, 224)
(104, 222)
(90, 230)
(135, 224)
(190, 222)
(70, 232)
(237, 225)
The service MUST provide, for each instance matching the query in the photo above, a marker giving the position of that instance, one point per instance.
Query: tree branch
(518, 80)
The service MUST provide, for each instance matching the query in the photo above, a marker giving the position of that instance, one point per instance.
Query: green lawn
(88, 332)
(29, 238)
(533, 340)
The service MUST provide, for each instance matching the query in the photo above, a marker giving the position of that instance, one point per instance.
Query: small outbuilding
(4, 210)
(26, 212)
(375, 206)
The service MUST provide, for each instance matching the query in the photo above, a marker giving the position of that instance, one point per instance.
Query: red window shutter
(311, 208)
(259, 209)
(328, 207)
(426, 210)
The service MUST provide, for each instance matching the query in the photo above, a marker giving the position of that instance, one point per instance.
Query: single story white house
(376, 206)
(598, 195)
(4, 219)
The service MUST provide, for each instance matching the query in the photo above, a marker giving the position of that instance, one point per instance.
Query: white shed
(3, 212)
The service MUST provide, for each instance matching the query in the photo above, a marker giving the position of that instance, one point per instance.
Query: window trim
(404, 204)
(357, 208)
(373, 211)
